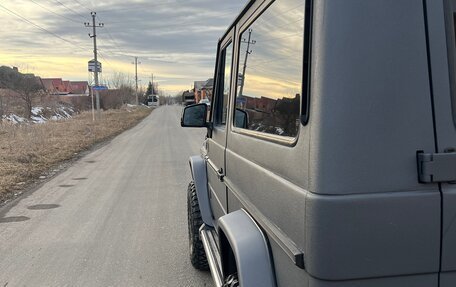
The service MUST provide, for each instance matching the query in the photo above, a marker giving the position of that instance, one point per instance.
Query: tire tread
(198, 256)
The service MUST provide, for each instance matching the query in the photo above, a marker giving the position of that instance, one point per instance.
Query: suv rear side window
(270, 71)
(451, 35)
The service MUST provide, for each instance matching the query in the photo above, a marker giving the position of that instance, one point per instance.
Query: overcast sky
(174, 39)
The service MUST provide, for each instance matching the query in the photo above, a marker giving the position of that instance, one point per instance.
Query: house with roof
(59, 87)
(203, 89)
(197, 86)
(80, 88)
(54, 86)
(207, 89)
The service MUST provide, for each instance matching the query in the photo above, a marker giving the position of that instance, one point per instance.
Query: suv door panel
(216, 144)
(440, 59)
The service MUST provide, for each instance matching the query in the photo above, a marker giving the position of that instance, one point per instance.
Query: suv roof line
(238, 17)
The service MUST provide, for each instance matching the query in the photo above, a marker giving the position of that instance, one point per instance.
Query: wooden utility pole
(95, 54)
(136, 79)
(247, 53)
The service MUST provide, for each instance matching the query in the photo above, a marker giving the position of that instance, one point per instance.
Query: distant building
(59, 87)
(80, 88)
(203, 89)
(197, 87)
(208, 88)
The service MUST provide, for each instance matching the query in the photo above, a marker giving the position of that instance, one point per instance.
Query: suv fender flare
(199, 175)
(250, 247)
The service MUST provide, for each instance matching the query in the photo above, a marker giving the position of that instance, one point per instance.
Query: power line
(142, 6)
(75, 12)
(113, 40)
(275, 16)
(39, 27)
(299, 34)
(181, 23)
(49, 10)
(82, 5)
(112, 65)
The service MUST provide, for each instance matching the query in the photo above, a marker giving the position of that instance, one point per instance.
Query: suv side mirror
(194, 116)
(241, 119)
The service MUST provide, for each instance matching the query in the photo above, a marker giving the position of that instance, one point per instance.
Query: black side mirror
(194, 116)
(241, 119)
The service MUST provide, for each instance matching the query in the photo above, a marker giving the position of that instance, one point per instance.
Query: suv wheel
(197, 253)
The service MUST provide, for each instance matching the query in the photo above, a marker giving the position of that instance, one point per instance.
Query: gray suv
(330, 158)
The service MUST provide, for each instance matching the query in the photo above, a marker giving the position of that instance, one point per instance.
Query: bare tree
(124, 84)
(27, 86)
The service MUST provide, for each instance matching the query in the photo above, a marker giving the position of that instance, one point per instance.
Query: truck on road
(188, 98)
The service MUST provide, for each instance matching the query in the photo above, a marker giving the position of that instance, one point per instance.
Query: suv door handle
(219, 171)
(220, 174)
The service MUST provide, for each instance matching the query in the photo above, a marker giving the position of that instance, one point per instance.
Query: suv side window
(271, 71)
(224, 86)
(451, 36)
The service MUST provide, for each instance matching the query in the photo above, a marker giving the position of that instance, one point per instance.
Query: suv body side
(344, 192)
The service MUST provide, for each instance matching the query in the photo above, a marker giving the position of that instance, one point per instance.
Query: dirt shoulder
(29, 153)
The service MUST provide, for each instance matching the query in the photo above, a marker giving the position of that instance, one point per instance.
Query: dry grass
(28, 151)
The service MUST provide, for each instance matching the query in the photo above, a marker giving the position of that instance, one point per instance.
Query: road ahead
(117, 217)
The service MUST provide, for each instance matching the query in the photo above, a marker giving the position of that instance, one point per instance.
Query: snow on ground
(15, 119)
(38, 120)
(37, 110)
(41, 115)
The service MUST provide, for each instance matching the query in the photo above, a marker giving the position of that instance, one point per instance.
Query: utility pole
(94, 37)
(136, 78)
(153, 86)
(247, 53)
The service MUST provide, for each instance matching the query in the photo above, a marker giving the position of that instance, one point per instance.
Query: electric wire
(70, 9)
(55, 13)
(24, 19)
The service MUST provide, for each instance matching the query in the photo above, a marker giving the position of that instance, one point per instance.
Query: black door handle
(220, 174)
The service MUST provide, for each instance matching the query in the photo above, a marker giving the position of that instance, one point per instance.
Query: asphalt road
(117, 217)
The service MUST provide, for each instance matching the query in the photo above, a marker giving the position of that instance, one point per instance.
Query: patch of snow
(62, 110)
(58, 113)
(37, 111)
(38, 119)
(15, 119)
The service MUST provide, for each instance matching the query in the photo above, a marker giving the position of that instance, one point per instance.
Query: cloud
(175, 39)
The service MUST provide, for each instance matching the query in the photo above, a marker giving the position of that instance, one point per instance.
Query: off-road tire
(232, 281)
(197, 253)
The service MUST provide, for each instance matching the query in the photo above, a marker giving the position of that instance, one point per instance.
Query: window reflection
(270, 70)
(227, 81)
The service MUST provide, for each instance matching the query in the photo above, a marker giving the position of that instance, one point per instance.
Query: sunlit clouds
(174, 39)
(274, 60)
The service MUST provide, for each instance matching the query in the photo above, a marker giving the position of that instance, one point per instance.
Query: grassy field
(29, 151)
